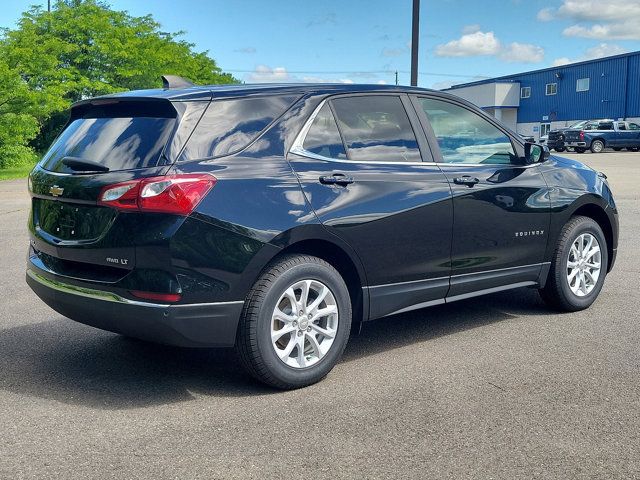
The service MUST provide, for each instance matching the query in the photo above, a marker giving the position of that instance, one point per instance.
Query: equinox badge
(56, 191)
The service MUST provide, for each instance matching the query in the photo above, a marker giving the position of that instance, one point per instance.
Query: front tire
(597, 146)
(578, 267)
(559, 149)
(295, 323)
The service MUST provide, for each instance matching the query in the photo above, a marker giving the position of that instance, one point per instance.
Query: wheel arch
(345, 264)
(598, 215)
(316, 241)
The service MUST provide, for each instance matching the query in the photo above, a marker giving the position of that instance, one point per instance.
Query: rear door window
(120, 136)
(376, 128)
(228, 126)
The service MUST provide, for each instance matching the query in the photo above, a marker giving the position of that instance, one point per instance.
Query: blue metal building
(534, 102)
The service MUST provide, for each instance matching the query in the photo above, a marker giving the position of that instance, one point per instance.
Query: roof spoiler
(174, 81)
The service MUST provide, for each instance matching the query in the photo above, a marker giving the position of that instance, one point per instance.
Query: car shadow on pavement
(71, 363)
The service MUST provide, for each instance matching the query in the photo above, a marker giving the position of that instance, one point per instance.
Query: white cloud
(600, 10)
(598, 19)
(558, 62)
(479, 43)
(266, 74)
(625, 30)
(470, 45)
(522, 53)
(546, 14)
(599, 51)
(471, 29)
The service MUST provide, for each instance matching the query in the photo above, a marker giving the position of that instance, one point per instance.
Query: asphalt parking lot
(495, 387)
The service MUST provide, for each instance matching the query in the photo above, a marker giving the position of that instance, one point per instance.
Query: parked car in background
(277, 218)
(596, 135)
(555, 138)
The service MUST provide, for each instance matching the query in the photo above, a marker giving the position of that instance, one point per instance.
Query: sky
(367, 41)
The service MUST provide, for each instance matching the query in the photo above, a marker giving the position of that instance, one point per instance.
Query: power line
(355, 72)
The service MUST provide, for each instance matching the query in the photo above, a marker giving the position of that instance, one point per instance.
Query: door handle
(336, 179)
(466, 180)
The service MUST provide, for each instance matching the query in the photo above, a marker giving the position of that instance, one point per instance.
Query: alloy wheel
(304, 323)
(583, 264)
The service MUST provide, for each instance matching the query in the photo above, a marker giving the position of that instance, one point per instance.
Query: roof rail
(174, 81)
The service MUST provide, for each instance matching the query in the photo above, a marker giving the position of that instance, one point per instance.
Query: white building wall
(490, 94)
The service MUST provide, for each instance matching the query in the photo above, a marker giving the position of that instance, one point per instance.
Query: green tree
(83, 48)
(18, 123)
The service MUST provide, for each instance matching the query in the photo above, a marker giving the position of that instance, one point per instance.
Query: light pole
(415, 31)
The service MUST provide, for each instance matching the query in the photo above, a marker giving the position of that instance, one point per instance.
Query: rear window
(228, 126)
(376, 128)
(120, 136)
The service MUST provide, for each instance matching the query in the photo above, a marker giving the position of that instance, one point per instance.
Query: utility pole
(49, 6)
(415, 33)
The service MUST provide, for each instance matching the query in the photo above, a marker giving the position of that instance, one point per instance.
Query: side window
(622, 126)
(230, 125)
(376, 128)
(591, 126)
(466, 137)
(605, 126)
(323, 137)
(634, 126)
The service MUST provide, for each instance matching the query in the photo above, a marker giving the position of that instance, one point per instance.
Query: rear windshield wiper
(82, 165)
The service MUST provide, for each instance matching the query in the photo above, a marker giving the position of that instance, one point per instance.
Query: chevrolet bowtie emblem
(56, 191)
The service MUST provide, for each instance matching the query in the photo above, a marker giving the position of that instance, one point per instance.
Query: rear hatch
(105, 142)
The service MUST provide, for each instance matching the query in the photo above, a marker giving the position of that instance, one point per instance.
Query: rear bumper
(555, 143)
(191, 325)
(576, 144)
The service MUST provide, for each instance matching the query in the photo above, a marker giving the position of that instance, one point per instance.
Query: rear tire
(597, 146)
(580, 150)
(559, 149)
(290, 348)
(633, 149)
(572, 284)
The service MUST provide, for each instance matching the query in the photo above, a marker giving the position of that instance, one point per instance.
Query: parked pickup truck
(600, 134)
(555, 138)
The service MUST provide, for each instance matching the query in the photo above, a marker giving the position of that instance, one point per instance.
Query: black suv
(277, 218)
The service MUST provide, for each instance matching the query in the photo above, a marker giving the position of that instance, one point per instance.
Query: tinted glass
(605, 126)
(376, 128)
(634, 126)
(323, 138)
(621, 126)
(120, 137)
(230, 125)
(466, 137)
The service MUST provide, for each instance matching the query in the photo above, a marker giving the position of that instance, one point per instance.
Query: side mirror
(534, 153)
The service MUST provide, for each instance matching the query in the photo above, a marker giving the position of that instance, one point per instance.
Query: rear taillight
(177, 194)
(581, 135)
(159, 297)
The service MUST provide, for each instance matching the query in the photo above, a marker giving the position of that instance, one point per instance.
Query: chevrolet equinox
(278, 218)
